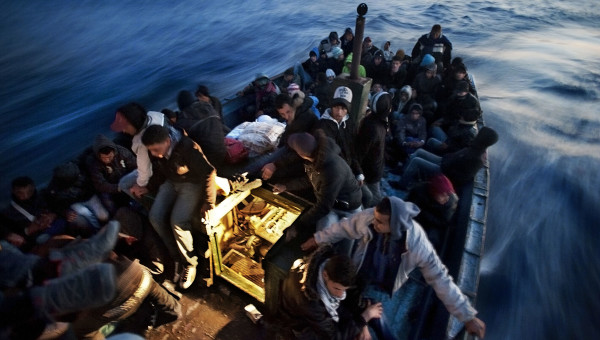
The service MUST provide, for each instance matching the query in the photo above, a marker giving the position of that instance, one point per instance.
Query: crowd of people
(137, 197)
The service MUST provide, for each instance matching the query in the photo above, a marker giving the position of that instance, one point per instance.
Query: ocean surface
(66, 66)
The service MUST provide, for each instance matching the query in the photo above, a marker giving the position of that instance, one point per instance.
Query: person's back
(203, 126)
(462, 166)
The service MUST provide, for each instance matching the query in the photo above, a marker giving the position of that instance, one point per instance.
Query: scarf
(331, 302)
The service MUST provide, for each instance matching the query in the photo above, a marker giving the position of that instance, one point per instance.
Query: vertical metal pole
(358, 40)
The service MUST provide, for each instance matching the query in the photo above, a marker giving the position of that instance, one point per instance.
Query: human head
(367, 43)
(288, 74)
(312, 55)
(382, 214)
(22, 188)
(396, 63)
(428, 59)
(156, 138)
(440, 188)
(333, 38)
(330, 75)
(460, 72)
(415, 111)
(348, 35)
(185, 99)
(304, 144)
(405, 93)
(106, 154)
(436, 31)
(261, 80)
(341, 103)
(337, 53)
(484, 139)
(170, 114)
(129, 118)
(285, 107)
(378, 57)
(376, 88)
(382, 104)
(339, 274)
(430, 70)
(387, 45)
(202, 93)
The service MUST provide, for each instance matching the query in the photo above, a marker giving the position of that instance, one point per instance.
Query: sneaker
(77, 256)
(188, 275)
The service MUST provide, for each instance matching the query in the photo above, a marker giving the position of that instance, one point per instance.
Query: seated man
(27, 221)
(186, 181)
(313, 299)
(387, 229)
(106, 166)
(460, 166)
(265, 92)
(336, 189)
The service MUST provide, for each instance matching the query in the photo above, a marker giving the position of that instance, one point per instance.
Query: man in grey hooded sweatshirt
(385, 231)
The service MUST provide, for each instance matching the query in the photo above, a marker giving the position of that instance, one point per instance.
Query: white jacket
(144, 166)
(420, 253)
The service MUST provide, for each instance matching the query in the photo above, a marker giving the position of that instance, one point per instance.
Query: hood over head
(401, 218)
(100, 142)
(485, 138)
(407, 89)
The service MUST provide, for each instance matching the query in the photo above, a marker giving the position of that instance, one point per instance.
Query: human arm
(355, 227)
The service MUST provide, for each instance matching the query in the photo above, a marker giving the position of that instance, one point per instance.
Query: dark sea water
(66, 66)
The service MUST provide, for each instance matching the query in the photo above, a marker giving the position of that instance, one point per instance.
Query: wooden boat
(421, 315)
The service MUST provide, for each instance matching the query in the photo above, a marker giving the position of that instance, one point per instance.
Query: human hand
(138, 191)
(373, 311)
(475, 326)
(71, 215)
(278, 189)
(15, 239)
(268, 170)
(290, 234)
(310, 244)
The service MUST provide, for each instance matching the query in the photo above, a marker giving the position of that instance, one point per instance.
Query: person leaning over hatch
(380, 234)
(336, 190)
(313, 302)
(186, 181)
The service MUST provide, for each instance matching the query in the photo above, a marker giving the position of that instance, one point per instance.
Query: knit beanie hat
(333, 36)
(303, 143)
(416, 106)
(293, 88)
(485, 138)
(427, 59)
(336, 52)
(384, 106)
(329, 73)
(440, 185)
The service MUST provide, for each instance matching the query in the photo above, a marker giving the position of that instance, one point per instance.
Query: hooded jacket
(419, 252)
(302, 310)
(105, 177)
(370, 145)
(331, 179)
(344, 134)
(362, 72)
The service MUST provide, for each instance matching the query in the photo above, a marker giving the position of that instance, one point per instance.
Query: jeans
(171, 216)
(127, 182)
(92, 211)
(422, 165)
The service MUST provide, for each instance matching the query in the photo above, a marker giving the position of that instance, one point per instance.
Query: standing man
(133, 119)
(187, 181)
(387, 230)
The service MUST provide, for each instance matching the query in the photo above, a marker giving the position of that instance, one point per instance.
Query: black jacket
(105, 177)
(370, 147)
(302, 310)
(331, 179)
(186, 163)
(202, 124)
(344, 136)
